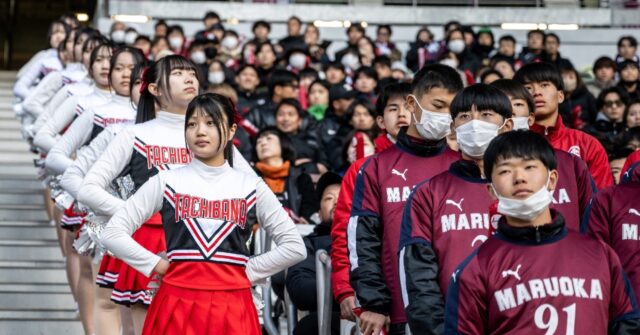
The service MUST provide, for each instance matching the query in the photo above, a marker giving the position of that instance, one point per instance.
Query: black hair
(452, 23)
(89, 32)
(389, 92)
(484, 97)
(520, 143)
(515, 90)
(247, 66)
(539, 72)
(221, 110)
(500, 58)
(137, 55)
(94, 55)
(489, 72)
(262, 23)
(621, 92)
(281, 78)
(357, 26)
(93, 42)
(631, 134)
(604, 61)
(551, 35)
(136, 74)
(385, 26)
(448, 38)
(626, 110)
(161, 23)
(295, 18)
(287, 150)
(436, 76)
(157, 40)
(366, 103)
(322, 83)
(158, 73)
(536, 31)
(334, 65)
(620, 153)
(72, 17)
(53, 23)
(632, 40)
(383, 60)
(309, 72)
(508, 38)
(175, 27)
(267, 43)
(142, 38)
(211, 15)
(367, 71)
(290, 102)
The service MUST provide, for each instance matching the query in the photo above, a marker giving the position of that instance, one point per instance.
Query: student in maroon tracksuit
(575, 184)
(545, 84)
(382, 187)
(614, 218)
(534, 276)
(447, 216)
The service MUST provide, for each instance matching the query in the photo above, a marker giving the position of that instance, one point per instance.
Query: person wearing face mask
(177, 41)
(579, 105)
(298, 59)
(382, 188)
(130, 36)
(575, 185)
(430, 251)
(510, 284)
(118, 33)
(457, 49)
(217, 73)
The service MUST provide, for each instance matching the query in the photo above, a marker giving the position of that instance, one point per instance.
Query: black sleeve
(301, 282)
(425, 311)
(366, 278)
(309, 202)
(626, 325)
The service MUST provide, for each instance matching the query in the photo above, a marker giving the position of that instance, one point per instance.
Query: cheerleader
(58, 32)
(99, 66)
(155, 143)
(205, 210)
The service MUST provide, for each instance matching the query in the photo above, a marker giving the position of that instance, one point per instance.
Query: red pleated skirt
(108, 272)
(71, 221)
(132, 286)
(183, 311)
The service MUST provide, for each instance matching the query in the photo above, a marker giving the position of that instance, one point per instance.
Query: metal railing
(323, 291)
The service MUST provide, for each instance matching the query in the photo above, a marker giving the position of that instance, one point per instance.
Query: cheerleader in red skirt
(156, 143)
(206, 210)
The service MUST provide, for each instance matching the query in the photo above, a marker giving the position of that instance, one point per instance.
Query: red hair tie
(144, 81)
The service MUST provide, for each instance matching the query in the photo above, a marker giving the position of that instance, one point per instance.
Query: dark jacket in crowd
(607, 132)
(527, 56)
(332, 132)
(579, 108)
(308, 145)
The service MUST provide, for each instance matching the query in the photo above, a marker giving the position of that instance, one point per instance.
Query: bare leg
(86, 294)
(48, 203)
(73, 263)
(57, 215)
(138, 313)
(107, 313)
(127, 321)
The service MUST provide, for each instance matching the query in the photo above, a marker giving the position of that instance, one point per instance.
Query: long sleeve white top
(79, 133)
(24, 86)
(49, 133)
(214, 183)
(36, 102)
(35, 60)
(168, 129)
(72, 178)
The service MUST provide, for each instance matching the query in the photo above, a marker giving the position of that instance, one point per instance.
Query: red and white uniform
(206, 216)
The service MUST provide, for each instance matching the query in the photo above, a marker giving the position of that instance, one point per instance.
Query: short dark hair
(286, 145)
(261, 23)
(631, 134)
(515, 90)
(539, 72)
(367, 71)
(552, 35)
(452, 23)
(484, 97)
(385, 26)
(334, 65)
(211, 15)
(161, 23)
(632, 40)
(509, 38)
(536, 31)
(368, 105)
(175, 27)
(436, 76)
(281, 78)
(489, 72)
(295, 18)
(356, 25)
(620, 153)
(604, 61)
(290, 102)
(520, 143)
(383, 60)
(621, 92)
(389, 92)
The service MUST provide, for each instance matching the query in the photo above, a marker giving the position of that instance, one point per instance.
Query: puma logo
(513, 273)
(634, 211)
(456, 204)
(480, 238)
(402, 175)
(455, 275)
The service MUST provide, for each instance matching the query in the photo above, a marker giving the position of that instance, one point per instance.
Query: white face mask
(198, 57)
(229, 42)
(456, 46)
(216, 77)
(450, 62)
(130, 38)
(175, 42)
(474, 137)
(298, 61)
(117, 36)
(432, 126)
(527, 209)
(351, 61)
(520, 122)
